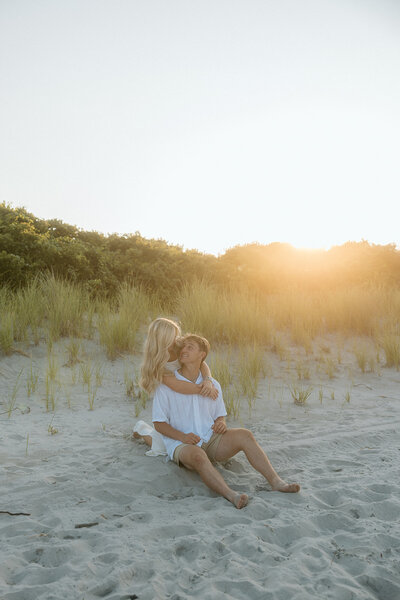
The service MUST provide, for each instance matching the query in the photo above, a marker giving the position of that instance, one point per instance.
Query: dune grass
(29, 305)
(73, 348)
(66, 305)
(32, 380)
(52, 383)
(251, 367)
(239, 318)
(92, 393)
(220, 362)
(238, 374)
(118, 326)
(232, 401)
(86, 369)
(391, 348)
(240, 327)
(13, 396)
(49, 309)
(6, 333)
(223, 317)
(302, 370)
(364, 356)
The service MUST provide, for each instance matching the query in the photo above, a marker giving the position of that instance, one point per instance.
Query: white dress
(142, 428)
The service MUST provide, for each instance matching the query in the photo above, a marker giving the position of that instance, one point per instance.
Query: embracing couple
(189, 412)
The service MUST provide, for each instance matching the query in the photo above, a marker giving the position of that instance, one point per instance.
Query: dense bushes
(29, 246)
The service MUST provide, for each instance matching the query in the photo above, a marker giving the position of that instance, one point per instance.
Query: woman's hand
(190, 438)
(219, 425)
(209, 389)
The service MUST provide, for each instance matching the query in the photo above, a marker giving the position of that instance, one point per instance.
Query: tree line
(30, 246)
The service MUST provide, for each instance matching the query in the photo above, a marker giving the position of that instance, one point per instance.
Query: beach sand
(103, 520)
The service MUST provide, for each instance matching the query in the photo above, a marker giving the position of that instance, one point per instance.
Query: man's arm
(219, 425)
(169, 431)
(219, 413)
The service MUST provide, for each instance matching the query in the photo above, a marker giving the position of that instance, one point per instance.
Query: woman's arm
(186, 387)
(205, 370)
(182, 387)
(207, 387)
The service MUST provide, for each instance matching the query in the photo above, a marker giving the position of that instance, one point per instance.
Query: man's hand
(219, 425)
(209, 389)
(190, 438)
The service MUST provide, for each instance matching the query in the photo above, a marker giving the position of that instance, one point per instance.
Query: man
(195, 433)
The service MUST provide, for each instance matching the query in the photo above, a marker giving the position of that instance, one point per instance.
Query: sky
(207, 123)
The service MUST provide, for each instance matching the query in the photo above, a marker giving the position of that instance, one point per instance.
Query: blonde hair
(161, 335)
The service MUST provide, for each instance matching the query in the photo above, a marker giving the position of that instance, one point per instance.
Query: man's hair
(202, 343)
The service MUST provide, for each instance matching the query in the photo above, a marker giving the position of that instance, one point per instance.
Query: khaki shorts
(209, 447)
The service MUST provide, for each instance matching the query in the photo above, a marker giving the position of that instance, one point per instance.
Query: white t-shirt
(189, 413)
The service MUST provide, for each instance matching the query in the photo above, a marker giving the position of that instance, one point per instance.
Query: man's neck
(190, 372)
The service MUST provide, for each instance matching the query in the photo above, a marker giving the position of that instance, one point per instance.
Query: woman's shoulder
(172, 365)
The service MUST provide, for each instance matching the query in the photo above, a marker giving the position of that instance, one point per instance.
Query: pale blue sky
(205, 123)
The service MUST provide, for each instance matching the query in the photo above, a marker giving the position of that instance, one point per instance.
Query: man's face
(191, 353)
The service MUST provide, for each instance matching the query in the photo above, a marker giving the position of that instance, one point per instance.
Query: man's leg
(196, 459)
(235, 440)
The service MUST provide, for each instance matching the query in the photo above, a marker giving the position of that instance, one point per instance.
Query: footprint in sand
(189, 549)
(171, 532)
(141, 517)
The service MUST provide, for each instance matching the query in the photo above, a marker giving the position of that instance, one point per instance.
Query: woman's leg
(146, 438)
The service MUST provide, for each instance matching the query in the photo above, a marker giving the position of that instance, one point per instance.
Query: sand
(103, 520)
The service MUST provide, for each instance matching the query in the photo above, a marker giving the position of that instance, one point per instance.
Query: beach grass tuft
(32, 380)
(73, 348)
(7, 333)
(86, 370)
(391, 348)
(300, 394)
(14, 392)
(220, 365)
(232, 401)
(302, 370)
(365, 357)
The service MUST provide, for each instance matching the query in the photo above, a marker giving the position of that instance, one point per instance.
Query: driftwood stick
(7, 512)
(80, 525)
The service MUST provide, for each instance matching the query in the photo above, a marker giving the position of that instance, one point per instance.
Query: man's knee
(246, 435)
(200, 458)
(195, 457)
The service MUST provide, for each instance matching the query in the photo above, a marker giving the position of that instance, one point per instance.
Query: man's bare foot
(240, 500)
(282, 486)
(136, 435)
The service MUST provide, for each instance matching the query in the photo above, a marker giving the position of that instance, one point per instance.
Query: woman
(160, 361)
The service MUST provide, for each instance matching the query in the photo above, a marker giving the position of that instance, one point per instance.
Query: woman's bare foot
(240, 500)
(146, 438)
(281, 486)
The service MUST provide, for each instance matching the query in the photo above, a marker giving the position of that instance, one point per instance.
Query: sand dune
(106, 521)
